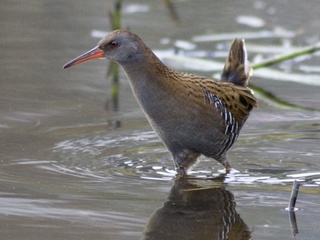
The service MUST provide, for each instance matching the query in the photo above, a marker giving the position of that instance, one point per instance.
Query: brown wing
(237, 99)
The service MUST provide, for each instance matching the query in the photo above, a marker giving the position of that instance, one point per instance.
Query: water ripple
(140, 155)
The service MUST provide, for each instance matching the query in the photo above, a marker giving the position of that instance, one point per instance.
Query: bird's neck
(147, 71)
(151, 84)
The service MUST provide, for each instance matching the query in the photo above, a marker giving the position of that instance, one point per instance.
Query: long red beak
(96, 52)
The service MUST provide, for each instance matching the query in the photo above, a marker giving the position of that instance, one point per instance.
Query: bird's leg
(223, 160)
(184, 160)
(227, 166)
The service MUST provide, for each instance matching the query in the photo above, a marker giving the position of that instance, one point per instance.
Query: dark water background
(64, 174)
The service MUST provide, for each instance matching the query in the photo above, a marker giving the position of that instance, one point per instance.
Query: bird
(193, 115)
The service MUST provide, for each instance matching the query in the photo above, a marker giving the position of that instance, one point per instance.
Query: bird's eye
(114, 44)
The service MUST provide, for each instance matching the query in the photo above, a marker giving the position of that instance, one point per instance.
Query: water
(66, 175)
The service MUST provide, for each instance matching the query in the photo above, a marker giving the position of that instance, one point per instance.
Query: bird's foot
(181, 173)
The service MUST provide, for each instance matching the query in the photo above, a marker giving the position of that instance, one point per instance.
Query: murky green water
(66, 175)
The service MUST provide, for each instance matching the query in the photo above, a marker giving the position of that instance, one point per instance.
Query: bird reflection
(197, 212)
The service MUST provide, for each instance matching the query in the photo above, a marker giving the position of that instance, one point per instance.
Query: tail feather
(236, 68)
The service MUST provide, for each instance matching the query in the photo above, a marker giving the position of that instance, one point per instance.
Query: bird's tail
(236, 68)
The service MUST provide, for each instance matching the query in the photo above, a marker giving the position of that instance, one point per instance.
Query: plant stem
(286, 56)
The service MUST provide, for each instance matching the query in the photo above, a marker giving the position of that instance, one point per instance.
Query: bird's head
(120, 46)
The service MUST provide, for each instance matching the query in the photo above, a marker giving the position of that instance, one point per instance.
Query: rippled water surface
(67, 174)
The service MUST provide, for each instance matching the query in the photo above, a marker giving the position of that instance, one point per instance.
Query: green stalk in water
(113, 68)
(271, 98)
(287, 56)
